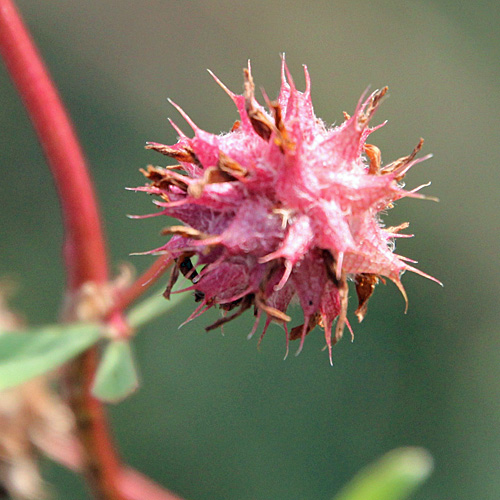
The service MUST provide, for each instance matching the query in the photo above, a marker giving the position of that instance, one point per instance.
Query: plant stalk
(84, 248)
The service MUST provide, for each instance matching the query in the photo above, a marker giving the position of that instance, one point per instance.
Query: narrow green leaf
(116, 376)
(392, 477)
(30, 353)
(152, 307)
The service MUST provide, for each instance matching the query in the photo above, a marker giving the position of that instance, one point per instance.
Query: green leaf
(392, 477)
(152, 307)
(116, 376)
(30, 353)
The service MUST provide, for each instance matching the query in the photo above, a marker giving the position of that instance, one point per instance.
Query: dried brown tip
(296, 331)
(245, 304)
(375, 156)
(330, 267)
(185, 154)
(260, 122)
(230, 166)
(365, 286)
(227, 170)
(274, 313)
(402, 162)
(172, 280)
(372, 106)
(344, 298)
(162, 178)
(211, 175)
(282, 140)
(185, 232)
(401, 288)
(397, 229)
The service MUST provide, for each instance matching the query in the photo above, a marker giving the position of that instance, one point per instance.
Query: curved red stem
(85, 252)
(84, 248)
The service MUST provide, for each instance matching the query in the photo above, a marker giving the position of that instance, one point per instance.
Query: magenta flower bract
(282, 206)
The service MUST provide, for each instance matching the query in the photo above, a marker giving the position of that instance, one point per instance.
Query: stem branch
(142, 283)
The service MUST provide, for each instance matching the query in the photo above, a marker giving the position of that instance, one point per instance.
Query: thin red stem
(101, 464)
(84, 248)
(85, 252)
(142, 283)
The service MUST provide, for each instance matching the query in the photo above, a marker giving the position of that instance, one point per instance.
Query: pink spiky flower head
(282, 206)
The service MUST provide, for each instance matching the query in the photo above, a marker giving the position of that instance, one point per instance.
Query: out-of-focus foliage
(116, 376)
(215, 417)
(392, 477)
(28, 354)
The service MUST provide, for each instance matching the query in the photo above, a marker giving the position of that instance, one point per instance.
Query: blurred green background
(216, 418)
